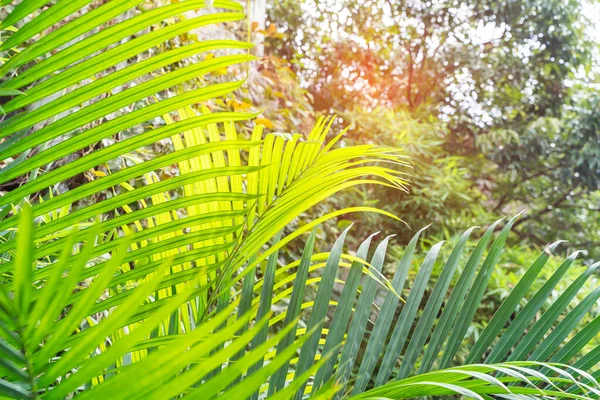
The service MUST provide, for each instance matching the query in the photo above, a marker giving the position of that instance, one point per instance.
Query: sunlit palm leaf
(131, 296)
(411, 345)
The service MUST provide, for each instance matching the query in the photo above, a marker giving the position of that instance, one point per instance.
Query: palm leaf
(137, 287)
(31, 367)
(530, 376)
(232, 209)
(478, 382)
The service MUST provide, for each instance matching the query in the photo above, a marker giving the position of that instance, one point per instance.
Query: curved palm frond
(41, 358)
(413, 344)
(230, 194)
(79, 118)
(480, 381)
(48, 352)
(140, 285)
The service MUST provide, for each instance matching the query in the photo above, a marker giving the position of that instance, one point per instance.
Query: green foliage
(441, 184)
(525, 46)
(511, 89)
(220, 355)
(160, 277)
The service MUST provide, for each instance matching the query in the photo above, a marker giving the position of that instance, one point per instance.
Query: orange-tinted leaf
(264, 121)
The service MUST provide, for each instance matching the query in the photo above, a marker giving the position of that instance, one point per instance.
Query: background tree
(512, 86)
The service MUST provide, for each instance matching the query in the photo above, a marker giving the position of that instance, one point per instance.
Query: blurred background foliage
(496, 104)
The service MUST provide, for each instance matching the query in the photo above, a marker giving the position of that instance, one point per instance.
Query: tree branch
(555, 204)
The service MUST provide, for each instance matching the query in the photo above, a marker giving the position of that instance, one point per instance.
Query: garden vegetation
(129, 275)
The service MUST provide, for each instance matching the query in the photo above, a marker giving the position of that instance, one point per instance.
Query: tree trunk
(258, 17)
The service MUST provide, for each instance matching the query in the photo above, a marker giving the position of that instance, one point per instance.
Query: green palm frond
(234, 193)
(402, 346)
(136, 286)
(53, 343)
(73, 99)
(415, 343)
(479, 382)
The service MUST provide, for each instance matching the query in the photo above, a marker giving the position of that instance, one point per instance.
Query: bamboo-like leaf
(278, 379)
(266, 298)
(552, 342)
(577, 343)
(51, 287)
(113, 34)
(474, 296)
(99, 86)
(105, 107)
(341, 316)
(10, 92)
(261, 376)
(166, 361)
(9, 353)
(64, 290)
(198, 372)
(527, 314)
(405, 321)
(383, 323)
(502, 315)
(116, 320)
(317, 316)
(295, 384)
(13, 390)
(432, 307)
(531, 340)
(360, 319)
(70, 31)
(80, 309)
(23, 275)
(217, 384)
(244, 306)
